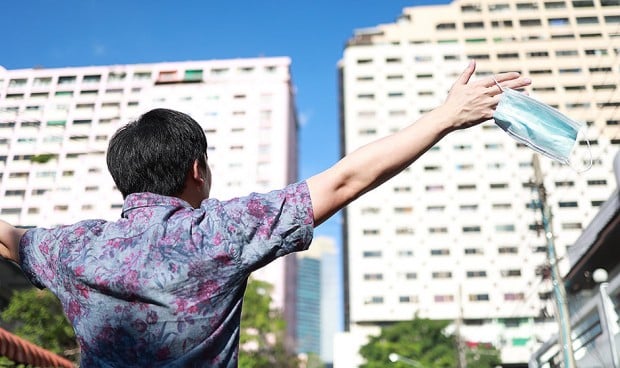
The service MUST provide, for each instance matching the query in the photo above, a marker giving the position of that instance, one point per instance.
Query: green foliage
(420, 339)
(42, 158)
(6, 362)
(39, 318)
(484, 355)
(425, 342)
(263, 331)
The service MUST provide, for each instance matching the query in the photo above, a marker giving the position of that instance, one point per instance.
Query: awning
(25, 352)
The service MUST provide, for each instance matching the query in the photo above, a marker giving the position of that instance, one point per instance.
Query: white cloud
(304, 117)
(98, 49)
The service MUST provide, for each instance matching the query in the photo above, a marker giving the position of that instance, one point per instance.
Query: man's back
(164, 284)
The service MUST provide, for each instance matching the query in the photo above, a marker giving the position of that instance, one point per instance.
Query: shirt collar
(140, 200)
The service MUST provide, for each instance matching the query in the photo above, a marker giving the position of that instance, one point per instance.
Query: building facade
(55, 125)
(318, 299)
(457, 235)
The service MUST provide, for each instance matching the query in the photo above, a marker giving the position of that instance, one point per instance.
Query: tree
(425, 342)
(38, 317)
(263, 331)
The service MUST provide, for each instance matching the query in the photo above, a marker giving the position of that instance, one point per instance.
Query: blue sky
(55, 33)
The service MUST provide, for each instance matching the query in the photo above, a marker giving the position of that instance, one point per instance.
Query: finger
(467, 73)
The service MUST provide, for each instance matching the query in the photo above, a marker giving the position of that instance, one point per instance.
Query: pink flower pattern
(163, 285)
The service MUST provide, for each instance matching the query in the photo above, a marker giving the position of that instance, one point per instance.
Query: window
(373, 276)
(478, 297)
(527, 6)
(514, 296)
(374, 300)
(506, 228)
(571, 226)
(364, 61)
(440, 252)
(411, 275)
(507, 250)
(511, 273)
(470, 8)
(393, 60)
(569, 204)
(407, 299)
(442, 275)
(557, 22)
(498, 185)
(612, 19)
(434, 188)
(474, 274)
(473, 25)
(468, 207)
(501, 24)
(91, 79)
(445, 26)
(530, 22)
(501, 206)
(193, 75)
(445, 298)
(10, 211)
(370, 231)
(366, 96)
(473, 251)
(406, 209)
(499, 7)
(438, 230)
(471, 229)
(371, 254)
(435, 208)
(405, 253)
(66, 80)
(64, 94)
(587, 20)
(583, 4)
(555, 5)
(466, 187)
(508, 55)
(142, 75)
(536, 54)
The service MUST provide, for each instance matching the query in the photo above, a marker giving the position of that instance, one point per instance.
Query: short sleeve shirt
(163, 285)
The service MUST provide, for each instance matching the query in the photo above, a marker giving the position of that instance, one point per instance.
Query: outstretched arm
(9, 241)
(467, 104)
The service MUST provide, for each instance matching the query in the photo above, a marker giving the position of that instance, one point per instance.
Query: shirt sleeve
(263, 227)
(38, 256)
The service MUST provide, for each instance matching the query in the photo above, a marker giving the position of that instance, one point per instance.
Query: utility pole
(462, 361)
(559, 292)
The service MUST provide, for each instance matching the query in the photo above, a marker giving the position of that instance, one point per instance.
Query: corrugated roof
(25, 352)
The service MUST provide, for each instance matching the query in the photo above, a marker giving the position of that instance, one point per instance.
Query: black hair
(155, 153)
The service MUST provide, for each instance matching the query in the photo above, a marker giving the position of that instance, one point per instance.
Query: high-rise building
(457, 235)
(318, 299)
(55, 125)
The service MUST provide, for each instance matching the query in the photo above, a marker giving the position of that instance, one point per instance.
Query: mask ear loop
(589, 166)
(498, 85)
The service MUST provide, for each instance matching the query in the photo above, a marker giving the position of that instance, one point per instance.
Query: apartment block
(55, 125)
(457, 235)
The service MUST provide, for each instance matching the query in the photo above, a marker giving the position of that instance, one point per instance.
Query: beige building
(55, 125)
(455, 235)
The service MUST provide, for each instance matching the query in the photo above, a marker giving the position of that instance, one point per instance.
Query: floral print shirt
(163, 285)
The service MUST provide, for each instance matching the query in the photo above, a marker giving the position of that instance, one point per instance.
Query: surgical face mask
(537, 125)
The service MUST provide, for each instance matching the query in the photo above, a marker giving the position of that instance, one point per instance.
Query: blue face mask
(537, 125)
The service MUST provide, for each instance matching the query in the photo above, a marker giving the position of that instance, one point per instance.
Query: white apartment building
(454, 236)
(55, 125)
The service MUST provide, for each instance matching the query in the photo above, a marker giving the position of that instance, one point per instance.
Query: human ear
(197, 173)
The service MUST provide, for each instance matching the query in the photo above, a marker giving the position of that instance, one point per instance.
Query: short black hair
(155, 152)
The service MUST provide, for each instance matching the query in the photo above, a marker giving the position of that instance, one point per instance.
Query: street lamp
(399, 358)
